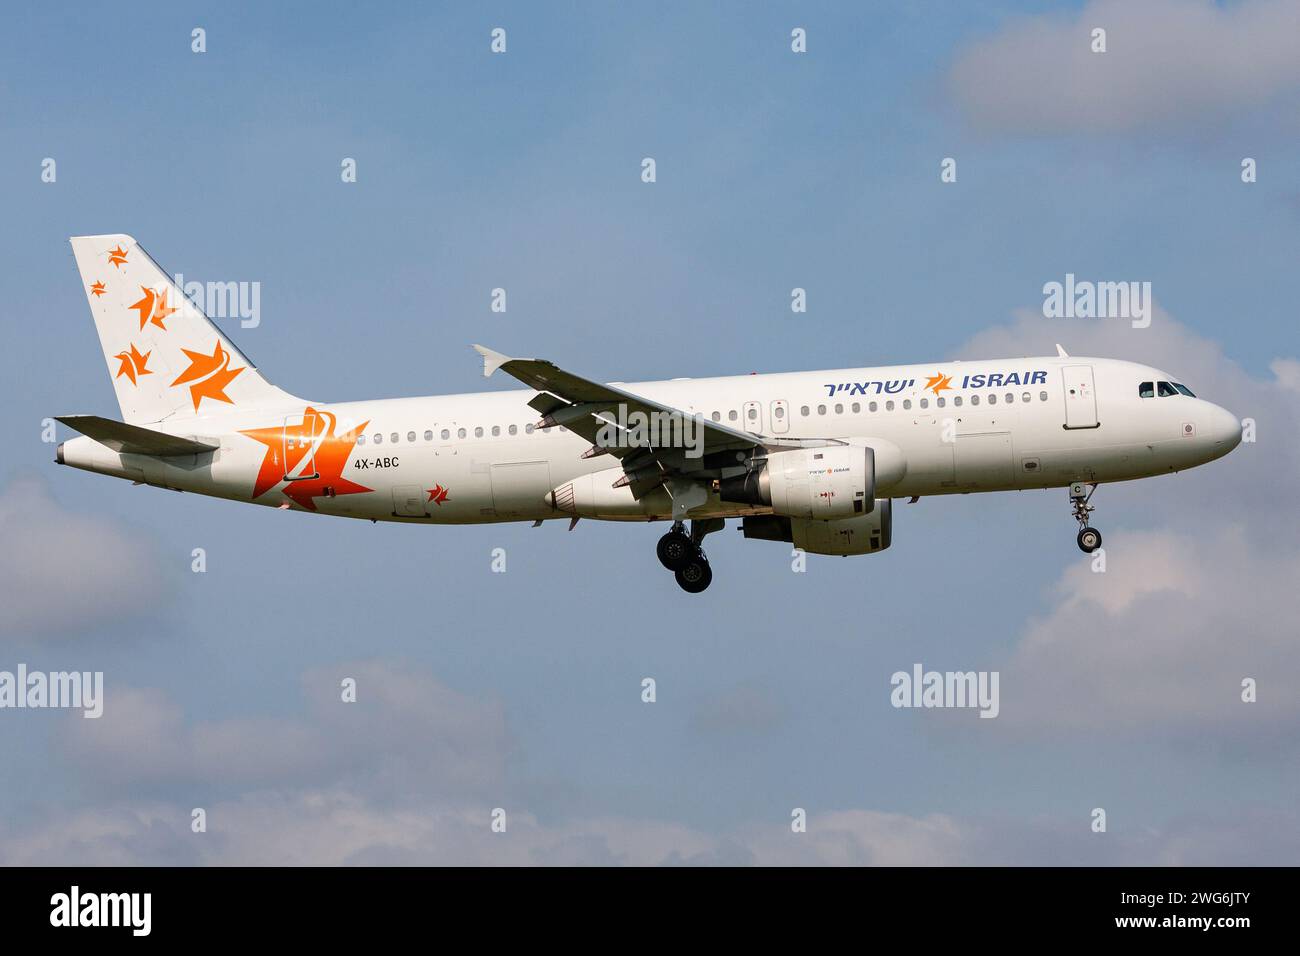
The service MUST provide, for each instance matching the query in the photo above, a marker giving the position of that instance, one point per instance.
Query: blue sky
(775, 170)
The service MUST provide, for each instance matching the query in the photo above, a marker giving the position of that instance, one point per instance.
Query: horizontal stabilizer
(132, 439)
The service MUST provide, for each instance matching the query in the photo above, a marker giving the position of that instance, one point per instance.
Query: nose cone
(1223, 430)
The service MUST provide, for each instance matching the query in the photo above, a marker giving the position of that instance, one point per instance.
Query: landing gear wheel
(1080, 503)
(696, 575)
(675, 550)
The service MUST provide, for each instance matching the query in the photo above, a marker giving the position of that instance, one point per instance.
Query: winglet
(1059, 351)
(491, 360)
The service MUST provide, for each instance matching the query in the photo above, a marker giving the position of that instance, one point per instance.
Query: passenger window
(753, 414)
(804, 411)
(428, 435)
(1024, 397)
(839, 409)
(1011, 397)
(1165, 390)
(821, 409)
(1042, 396)
(717, 416)
(410, 436)
(379, 439)
(1147, 390)
(478, 432)
(361, 439)
(889, 406)
(993, 399)
(779, 411)
(957, 401)
(974, 399)
(873, 406)
(925, 403)
(732, 416)
(395, 438)
(528, 429)
(496, 430)
(940, 402)
(513, 429)
(460, 433)
(907, 403)
(856, 408)
(446, 433)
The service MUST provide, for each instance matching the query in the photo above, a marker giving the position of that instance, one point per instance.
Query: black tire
(696, 575)
(675, 550)
(1089, 540)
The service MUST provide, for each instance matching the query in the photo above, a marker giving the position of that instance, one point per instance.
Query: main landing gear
(681, 553)
(1089, 537)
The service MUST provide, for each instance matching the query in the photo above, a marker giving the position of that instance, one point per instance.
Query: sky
(522, 691)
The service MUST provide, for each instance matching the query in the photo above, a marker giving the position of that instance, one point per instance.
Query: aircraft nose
(1223, 429)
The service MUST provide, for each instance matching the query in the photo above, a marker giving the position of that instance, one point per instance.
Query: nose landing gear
(681, 553)
(1089, 538)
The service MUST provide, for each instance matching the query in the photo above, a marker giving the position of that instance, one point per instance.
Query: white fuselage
(953, 427)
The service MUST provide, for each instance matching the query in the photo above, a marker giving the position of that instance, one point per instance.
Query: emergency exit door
(1080, 396)
(302, 437)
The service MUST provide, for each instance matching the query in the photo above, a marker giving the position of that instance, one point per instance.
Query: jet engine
(834, 481)
(864, 534)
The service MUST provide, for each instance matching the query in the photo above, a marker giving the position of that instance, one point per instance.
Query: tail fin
(165, 356)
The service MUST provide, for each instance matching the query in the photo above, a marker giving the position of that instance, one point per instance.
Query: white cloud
(336, 804)
(1199, 592)
(64, 573)
(1168, 63)
(1161, 642)
(1287, 372)
(334, 827)
(405, 731)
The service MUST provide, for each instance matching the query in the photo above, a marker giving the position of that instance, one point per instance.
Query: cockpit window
(1147, 390)
(1165, 389)
(1184, 389)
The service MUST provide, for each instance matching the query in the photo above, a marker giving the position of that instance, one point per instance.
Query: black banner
(329, 906)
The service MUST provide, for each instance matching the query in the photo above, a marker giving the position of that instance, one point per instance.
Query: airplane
(812, 459)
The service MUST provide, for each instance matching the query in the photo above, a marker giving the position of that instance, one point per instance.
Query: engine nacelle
(594, 495)
(863, 534)
(835, 481)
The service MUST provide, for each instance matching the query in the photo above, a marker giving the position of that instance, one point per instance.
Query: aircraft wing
(600, 412)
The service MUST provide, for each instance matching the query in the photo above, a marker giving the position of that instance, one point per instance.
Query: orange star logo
(329, 454)
(937, 383)
(97, 289)
(133, 364)
(209, 375)
(437, 494)
(152, 308)
(117, 256)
